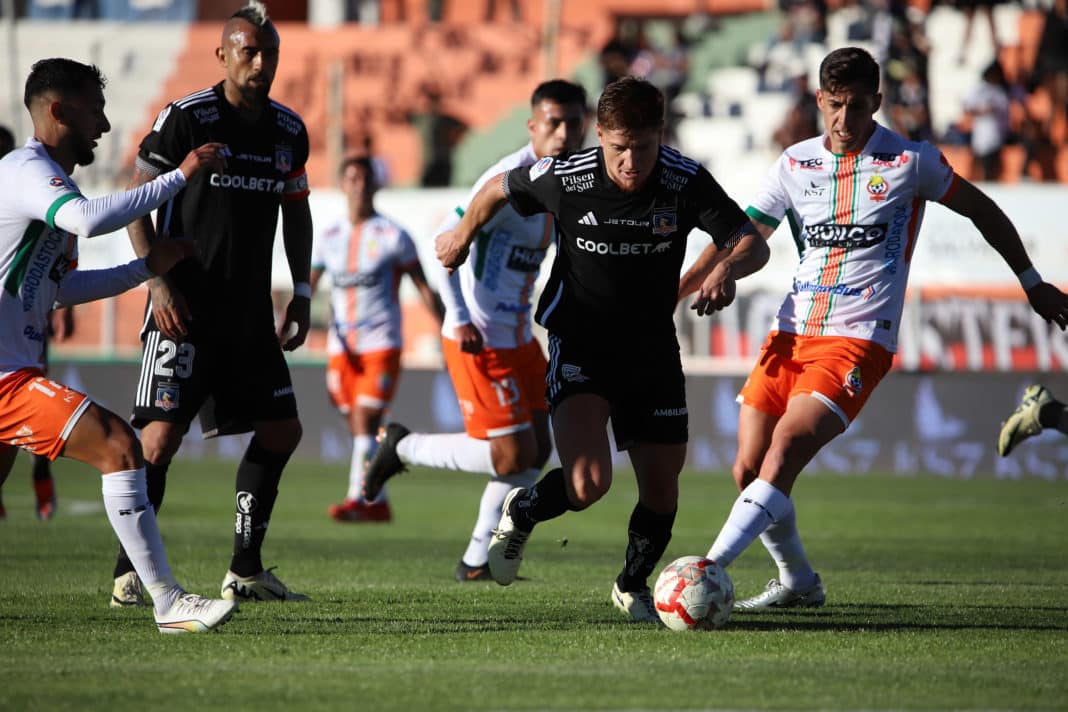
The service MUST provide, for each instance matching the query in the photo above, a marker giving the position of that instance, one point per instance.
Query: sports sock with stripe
(448, 451)
(758, 506)
(256, 489)
(156, 481)
(489, 513)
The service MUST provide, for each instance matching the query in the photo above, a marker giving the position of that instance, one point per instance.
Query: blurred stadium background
(437, 90)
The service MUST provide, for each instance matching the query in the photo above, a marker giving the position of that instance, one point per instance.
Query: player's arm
(430, 298)
(297, 238)
(61, 323)
(707, 261)
(87, 217)
(994, 225)
(452, 246)
(315, 277)
(81, 286)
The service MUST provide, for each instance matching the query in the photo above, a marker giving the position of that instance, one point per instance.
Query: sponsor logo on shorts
(167, 396)
(281, 392)
(573, 373)
(853, 383)
(670, 412)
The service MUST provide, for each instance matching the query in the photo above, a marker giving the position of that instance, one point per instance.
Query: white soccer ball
(694, 593)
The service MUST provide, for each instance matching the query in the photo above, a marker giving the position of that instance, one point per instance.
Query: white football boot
(776, 595)
(1023, 423)
(191, 613)
(638, 605)
(506, 545)
(263, 586)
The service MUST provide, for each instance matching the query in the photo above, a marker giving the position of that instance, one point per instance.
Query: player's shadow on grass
(852, 618)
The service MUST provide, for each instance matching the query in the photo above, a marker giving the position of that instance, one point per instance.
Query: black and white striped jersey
(619, 254)
(232, 215)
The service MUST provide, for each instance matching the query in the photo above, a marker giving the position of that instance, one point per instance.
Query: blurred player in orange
(496, 365)
(365, 254)
(855, 198)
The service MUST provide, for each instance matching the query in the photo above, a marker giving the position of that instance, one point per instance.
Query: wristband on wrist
(1029, 278)
(302, 289)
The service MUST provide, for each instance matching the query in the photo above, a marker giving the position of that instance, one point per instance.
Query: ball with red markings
(694, 593)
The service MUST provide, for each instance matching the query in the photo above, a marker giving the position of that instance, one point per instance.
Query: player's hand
(297, 322)
(169, 309)
(210, 155)
(61, 323)
(469, 337)
(716, 292)
(451, 250)
(1049, 303)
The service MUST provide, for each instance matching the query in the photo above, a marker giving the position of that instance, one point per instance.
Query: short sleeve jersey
(854, 218)
(497, 280)
(619, 254)
(35, 255)
(232, 215)
(365, 263)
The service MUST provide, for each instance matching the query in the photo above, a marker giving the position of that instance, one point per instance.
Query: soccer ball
(694, 593)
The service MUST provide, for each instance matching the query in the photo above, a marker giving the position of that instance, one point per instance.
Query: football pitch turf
(941, 594)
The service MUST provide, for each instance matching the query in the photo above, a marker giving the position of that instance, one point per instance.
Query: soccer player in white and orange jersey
(365, 254)
(496, 366)
(42, 213)
(854, 199)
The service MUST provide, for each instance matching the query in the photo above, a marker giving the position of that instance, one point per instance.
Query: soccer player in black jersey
(210, 344)
(623, 211)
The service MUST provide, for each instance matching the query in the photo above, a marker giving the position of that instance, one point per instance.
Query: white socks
(449, 451)
(134, 521)
(363, 447)
(784, 544)
(489, 513)
(758, 506)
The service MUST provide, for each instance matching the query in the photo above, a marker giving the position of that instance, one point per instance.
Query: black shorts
(232, 376)
(643, 382)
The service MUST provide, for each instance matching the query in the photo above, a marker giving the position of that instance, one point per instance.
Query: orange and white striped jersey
(854, 219)
(365, 263)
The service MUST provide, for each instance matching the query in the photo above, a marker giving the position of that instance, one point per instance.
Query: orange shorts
(498, 389)
(368, 380)
(839, 371)
(38, 414)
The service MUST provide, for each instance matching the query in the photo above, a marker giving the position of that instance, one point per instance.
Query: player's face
(249, 55)
(848, 114)
(83, 113)
(359, 187)
(556, 129)
(629, 156)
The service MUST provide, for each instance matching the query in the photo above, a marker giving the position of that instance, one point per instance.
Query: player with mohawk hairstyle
(210, 343)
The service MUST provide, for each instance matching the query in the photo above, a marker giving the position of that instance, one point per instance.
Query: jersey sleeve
(296, 181)
(43, 188)
(534, 189)
(167, 144)
(771, 202)
(717, 214)
(936, 177)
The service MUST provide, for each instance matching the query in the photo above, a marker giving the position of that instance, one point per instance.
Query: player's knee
(282, 436)
(590, 485)
(160, 446)
(122, 449)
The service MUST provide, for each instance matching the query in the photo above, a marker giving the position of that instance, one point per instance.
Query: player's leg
(103, 440)
(656, 467)
(44, 487)
(7, 461)
(1038, 410)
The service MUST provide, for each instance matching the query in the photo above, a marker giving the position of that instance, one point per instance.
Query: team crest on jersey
(878, 188)
(167, 395)
(665, 222)
(853, 384)
(283, 159)
(540, 168)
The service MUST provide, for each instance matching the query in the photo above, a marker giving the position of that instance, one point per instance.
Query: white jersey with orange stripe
(365, 263)
(854, 219)
(494, 288)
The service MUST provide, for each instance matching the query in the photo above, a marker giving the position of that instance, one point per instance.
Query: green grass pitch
(940, 595)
